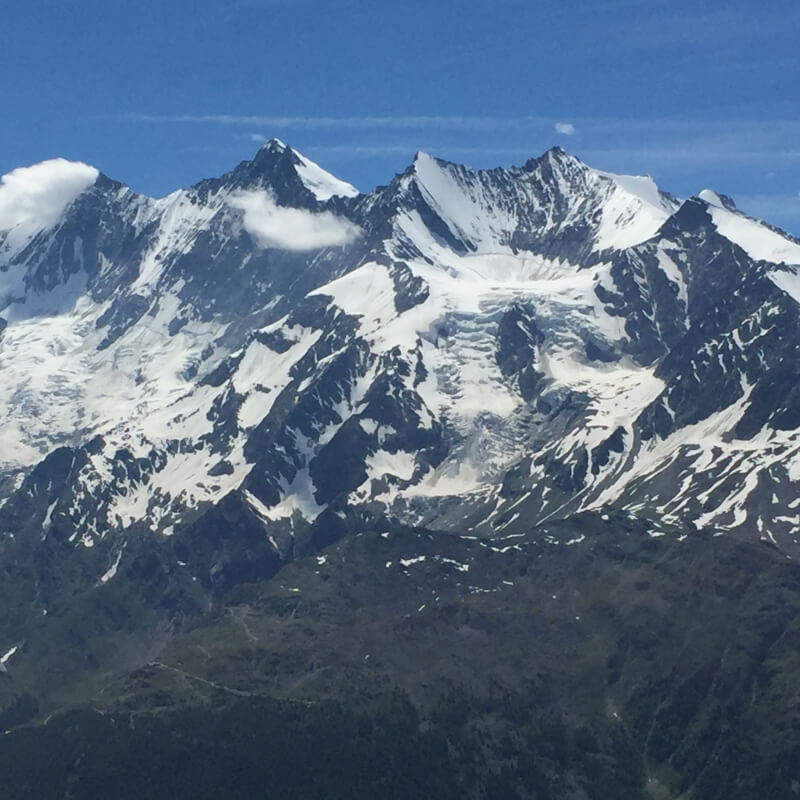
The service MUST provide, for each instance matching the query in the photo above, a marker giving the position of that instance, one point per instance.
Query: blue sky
(162, 94)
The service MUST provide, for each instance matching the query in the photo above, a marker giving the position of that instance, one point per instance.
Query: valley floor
(594, 661)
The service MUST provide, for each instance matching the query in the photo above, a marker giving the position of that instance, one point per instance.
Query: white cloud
(258, 138)
(565, 128)
(33, 198)
(291, 228)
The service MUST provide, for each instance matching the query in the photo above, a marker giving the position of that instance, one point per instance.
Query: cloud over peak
(285, 228)
(33, 198)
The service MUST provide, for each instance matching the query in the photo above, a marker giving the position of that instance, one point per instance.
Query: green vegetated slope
(585, 660)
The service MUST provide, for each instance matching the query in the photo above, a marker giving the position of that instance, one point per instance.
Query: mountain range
(468, 393)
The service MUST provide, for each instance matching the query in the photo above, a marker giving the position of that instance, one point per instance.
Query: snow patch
(633, 211)
(320, 182)
(788, 281)
(756, 239)
(112, 570)
(399, 464)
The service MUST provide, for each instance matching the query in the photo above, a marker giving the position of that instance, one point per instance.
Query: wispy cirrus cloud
(661, 127)
(470, 123)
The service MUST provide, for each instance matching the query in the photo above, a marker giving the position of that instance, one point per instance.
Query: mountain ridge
(438, 214)
(259, 437)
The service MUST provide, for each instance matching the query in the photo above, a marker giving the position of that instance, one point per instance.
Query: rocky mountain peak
(553, 162)
(274, 145)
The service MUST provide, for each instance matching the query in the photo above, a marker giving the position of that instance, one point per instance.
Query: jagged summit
(286, 173)
(554, 156)
(274, 145)
(279, 158)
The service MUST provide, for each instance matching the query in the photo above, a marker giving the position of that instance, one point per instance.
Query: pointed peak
(274, 145)
(424, 164)
(275, 152)
(555, 157)
(286, 170)
(557, 152)
(421, 159)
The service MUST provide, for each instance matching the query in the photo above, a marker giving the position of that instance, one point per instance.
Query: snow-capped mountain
(475, 351)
